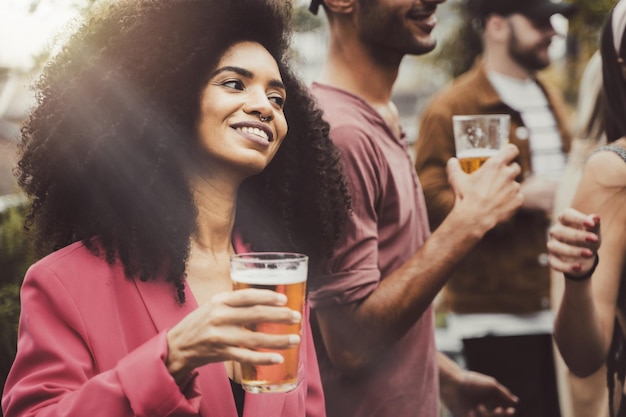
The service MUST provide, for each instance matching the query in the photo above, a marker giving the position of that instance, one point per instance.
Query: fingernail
(592, 222)
(586, 253)
(296, 317)
(591, 238)
(277, 359)
(577, 268)
(281, 298)
(294, 339)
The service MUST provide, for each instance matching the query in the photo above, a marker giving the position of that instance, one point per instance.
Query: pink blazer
(92, 344)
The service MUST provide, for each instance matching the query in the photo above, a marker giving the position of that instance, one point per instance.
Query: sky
(28, 26)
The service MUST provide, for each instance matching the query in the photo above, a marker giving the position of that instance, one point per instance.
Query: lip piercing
(264, 119)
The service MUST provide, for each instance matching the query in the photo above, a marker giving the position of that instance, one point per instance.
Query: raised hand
(490, 195)
(574, 242)
(472, 394)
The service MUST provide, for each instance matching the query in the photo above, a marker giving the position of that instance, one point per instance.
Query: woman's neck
(216, 207)
(211, 245)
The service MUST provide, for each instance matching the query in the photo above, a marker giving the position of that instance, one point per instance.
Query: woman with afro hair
(169, 135)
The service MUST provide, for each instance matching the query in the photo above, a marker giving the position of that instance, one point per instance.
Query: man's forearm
(356, 334)
(380, 320)
(450, 373)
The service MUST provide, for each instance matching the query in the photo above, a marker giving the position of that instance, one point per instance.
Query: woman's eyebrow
(248, 74)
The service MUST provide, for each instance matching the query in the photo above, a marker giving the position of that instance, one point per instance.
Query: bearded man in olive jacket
(499, 297)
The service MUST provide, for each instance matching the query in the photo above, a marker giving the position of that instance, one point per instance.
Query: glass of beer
(478, 137)
(281, 272)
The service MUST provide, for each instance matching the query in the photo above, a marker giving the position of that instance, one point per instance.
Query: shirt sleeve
(55, 374)
(354, 267)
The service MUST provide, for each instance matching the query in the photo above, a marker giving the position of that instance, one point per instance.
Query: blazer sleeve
(56, 374)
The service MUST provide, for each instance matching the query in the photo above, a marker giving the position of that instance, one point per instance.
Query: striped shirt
(526, 97)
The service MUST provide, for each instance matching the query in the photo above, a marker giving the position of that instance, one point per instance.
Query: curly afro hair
(103, 154)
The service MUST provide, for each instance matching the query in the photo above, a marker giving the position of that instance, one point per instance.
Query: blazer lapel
(212, 380)
(161, 303)
(217, 397)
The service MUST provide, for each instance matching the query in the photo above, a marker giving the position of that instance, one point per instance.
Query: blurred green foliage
(584, 39)
(593, 12)
(16, 256)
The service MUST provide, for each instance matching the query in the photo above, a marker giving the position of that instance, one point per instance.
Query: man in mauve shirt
(373, 320)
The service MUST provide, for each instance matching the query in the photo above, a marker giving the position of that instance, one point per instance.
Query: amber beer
(477, 137)
(291, 282)
(472, 159)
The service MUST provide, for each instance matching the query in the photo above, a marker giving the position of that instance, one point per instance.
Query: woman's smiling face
(242, 123)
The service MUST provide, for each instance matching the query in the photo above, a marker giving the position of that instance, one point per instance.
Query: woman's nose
(257, 102)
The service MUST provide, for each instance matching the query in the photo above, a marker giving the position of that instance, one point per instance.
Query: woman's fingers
(569, 252)
(573, 237)
(577, 220)
(251, 297)
(250, 306)
(574, 242)
(570, 259)
(243, 355)
(225, 338)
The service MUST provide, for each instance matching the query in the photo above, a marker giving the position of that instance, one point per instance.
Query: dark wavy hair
(614, 88)
(103, 154)
(614, 85)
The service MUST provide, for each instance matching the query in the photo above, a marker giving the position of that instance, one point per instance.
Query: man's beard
(386, 35)
(528, 58)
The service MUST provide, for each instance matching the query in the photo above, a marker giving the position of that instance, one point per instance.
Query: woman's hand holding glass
(215, 331)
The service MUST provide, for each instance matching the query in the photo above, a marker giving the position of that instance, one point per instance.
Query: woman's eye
(278, 100)
(234, 84)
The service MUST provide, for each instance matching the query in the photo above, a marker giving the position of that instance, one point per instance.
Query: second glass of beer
(281, 272)
(478, 137)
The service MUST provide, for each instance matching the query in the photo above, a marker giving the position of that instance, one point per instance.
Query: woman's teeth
(254, 131)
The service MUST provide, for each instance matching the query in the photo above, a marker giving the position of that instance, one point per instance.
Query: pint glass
(478, 137)
(281, 272)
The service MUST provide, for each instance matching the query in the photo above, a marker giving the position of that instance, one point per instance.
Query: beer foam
(269, 276)
(477, 153)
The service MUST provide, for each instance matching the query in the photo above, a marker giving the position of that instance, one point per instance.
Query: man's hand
(470, 394)
(490, 195)
(478, 395)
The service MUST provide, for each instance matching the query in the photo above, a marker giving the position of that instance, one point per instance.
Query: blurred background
(30, 30)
